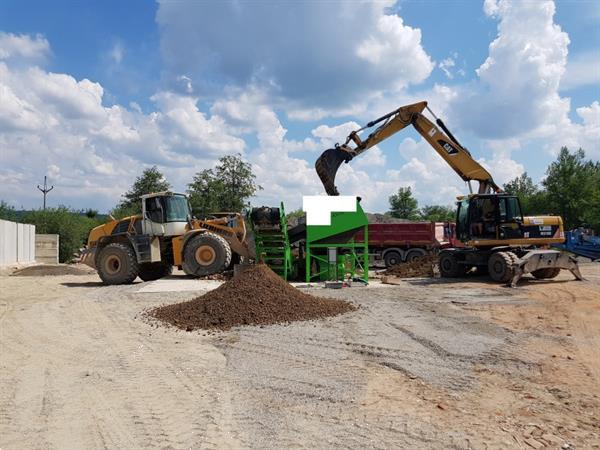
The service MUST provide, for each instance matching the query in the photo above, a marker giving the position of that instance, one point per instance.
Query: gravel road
(426, 364)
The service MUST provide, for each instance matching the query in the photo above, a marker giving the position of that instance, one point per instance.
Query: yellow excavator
(164, 235)
(490, 224)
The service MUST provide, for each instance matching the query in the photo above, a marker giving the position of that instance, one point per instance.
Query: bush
(72, 227)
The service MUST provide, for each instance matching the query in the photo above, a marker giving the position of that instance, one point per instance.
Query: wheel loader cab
(165, 214)
(489, 217)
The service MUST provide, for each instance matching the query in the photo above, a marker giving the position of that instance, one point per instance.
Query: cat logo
(450, 149)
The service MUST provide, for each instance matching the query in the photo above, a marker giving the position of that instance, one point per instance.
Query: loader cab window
(177, 208)
(154, 209)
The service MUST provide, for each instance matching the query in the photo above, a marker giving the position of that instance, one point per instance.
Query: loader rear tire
(450, 267)
(117, 264)
(548, 272)
(206, 254)
(154, 271)
(501, 266)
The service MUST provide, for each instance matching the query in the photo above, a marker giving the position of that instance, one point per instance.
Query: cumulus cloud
(23, 48)
(515, 97)
(54, 124)
(307, 54)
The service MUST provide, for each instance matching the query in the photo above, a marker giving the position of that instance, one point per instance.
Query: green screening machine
(312, 252)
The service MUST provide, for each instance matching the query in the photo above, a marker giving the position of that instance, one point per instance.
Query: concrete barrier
(46, 248)
(17, 243)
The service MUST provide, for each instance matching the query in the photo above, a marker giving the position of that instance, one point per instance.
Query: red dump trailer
(399, 242)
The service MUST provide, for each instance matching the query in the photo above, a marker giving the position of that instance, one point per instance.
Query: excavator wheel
(154, 271)
(450, 267)
(501, 266)
(117, 264)
(548, 272)
(206, 254)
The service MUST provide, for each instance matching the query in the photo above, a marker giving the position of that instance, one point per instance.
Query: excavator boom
(444, 143)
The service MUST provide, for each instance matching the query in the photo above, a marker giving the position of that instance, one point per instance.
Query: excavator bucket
(327, 166)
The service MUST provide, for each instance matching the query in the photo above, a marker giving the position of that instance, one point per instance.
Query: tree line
(570, 189)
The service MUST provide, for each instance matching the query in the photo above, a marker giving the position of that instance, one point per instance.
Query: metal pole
(45, 190)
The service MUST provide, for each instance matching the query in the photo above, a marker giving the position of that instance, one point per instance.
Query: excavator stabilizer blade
(327, 166)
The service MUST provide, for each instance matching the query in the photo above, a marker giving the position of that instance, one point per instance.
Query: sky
(92, 93)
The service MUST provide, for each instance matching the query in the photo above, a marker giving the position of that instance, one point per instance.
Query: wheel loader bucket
(327, 166)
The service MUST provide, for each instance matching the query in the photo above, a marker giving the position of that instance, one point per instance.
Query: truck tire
(450, 267)
(154, 271)
(206, 254)
(117, 264)
(392, 258)
(501, 266)
(548, 272)
(415, 254)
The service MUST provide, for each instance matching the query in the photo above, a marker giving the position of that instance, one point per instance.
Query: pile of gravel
(257, 296)
(420, 267)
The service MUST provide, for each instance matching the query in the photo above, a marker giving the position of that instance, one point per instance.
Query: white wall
(17, 242)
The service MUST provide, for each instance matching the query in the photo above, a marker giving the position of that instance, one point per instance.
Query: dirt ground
(424, 364)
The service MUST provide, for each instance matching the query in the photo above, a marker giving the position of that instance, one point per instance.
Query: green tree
(7, 212)
(572, 186)
(531, 197)
(227, 187)
(438, 213)
(71, 226)
(403, 205)
(151, 180)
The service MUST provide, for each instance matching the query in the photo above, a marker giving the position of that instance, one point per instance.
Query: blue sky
(93, 92)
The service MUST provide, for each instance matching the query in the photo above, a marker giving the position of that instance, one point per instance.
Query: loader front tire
(154, 271)
(206, 254)
(117, 264)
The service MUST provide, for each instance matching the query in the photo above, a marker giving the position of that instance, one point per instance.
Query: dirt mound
(421, 267)
(256, 297)
(45, 270)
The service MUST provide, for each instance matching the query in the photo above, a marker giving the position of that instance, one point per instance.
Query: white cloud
(446, 65)
(294, 53)
(515, 100)
(51, 123)
(23, 47)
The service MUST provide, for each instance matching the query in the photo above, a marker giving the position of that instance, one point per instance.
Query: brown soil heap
(257, 296)
(421, 267)
(44, 270)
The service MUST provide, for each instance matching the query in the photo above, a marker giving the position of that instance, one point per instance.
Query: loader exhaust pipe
(327, 166)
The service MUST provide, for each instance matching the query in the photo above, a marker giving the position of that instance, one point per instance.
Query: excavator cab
(489, 217)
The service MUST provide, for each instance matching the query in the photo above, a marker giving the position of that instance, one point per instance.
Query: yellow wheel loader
(496, 236)
(164, 235)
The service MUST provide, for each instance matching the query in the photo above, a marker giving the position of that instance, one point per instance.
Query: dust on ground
(44, 270)
(429, 363)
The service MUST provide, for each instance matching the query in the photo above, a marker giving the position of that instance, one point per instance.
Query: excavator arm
(444, 143)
